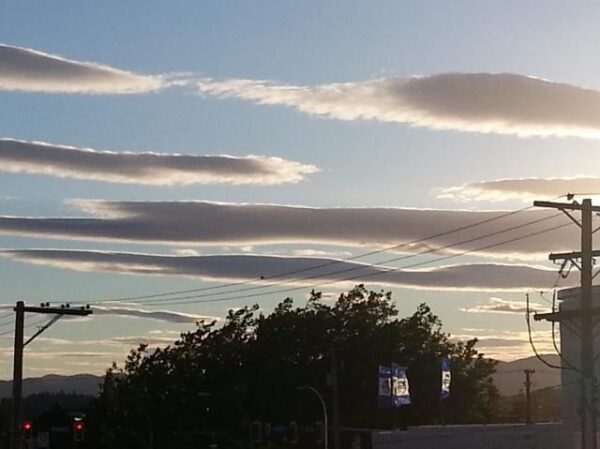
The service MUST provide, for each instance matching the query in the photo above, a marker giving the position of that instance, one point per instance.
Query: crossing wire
(178, 300)
(315, 267)
(27, 326)
(351, 269)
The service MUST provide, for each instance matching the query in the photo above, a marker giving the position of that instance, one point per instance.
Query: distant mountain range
(87, 384)
(509, 377)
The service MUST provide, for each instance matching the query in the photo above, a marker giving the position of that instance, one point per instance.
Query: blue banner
(385, 386)
(446, 378)
(400, 387)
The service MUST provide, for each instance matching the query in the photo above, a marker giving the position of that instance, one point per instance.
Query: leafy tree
(213, 380)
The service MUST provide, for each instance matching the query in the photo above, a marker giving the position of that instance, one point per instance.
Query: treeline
(217, 379)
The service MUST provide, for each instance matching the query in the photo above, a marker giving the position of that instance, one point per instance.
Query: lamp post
(324, 410)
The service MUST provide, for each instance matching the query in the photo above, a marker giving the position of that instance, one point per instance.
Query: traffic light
(27, 430)
(293, 432)
(78, 430)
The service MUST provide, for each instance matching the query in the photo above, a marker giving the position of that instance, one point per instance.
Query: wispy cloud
(476, 102)
(521, 188)
(137, 312)
(27, 70)
(479, 277)
(146, 168)
(148, 340)
(258, 224)
(499, 305)
(507, 345)
(320, 253)
(161, 315)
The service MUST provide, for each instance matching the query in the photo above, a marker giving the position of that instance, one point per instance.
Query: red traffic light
(78, 430)
(27, 426)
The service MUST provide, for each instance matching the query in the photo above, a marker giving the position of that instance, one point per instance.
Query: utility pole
(17, 406)
(334, 400)
(16, 435)
(528, 373)
(585, 313)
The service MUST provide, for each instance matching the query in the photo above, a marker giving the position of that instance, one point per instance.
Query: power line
(532, 344)
(346, 270)
(556, 348)
(322, 265)
(7, 315)
(172, 301)
(25, 327)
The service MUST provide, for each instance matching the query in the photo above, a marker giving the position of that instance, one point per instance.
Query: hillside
(509, 376)
(84, 384)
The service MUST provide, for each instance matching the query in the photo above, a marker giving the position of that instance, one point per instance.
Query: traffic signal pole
(16, 435)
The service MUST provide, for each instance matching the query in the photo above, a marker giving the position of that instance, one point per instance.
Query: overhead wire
(322, 265)
(7, 315)
(531, 342)
(26, 326)
(556, 348)
(178, 300)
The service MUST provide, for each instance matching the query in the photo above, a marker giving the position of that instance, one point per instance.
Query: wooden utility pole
(16, 435)
(528, 373)
(334, 400)
(585, 313)
(17, 406)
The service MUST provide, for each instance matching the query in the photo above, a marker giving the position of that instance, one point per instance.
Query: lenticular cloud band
(522, 188)
(476, 102)
(302, 271)
(160, 169)
(27, 70)
(213, 224)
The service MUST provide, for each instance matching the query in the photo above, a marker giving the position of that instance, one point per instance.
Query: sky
(255, 150)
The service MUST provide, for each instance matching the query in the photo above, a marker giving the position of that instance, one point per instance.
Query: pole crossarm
(565, 206)
(563, 315)
(78, 311)
(571, 255)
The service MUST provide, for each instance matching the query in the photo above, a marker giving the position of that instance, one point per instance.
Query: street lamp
(323, 408)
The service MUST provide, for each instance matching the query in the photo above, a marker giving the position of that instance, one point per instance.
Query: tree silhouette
(218, 377)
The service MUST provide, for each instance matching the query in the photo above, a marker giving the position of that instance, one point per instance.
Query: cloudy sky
(238, 155)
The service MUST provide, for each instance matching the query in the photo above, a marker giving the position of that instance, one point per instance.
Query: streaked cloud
(228, 224)
(521, 189)
(136, 312)
(161, 315)
(309, 252)
(148, 340)
(502, 103)
(508, 345)
(28, 70)
(159, 169)
(479, 277)
(499, 305)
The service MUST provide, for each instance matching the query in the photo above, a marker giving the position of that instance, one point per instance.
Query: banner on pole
(400, 387)
(385, 386)
(446, 378)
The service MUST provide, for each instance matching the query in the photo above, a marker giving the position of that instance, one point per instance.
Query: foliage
(219, 377)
